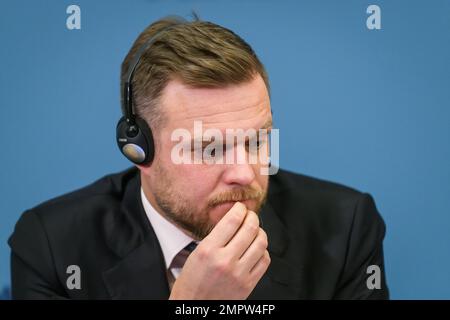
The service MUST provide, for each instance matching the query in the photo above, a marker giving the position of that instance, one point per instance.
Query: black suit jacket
(322, 237)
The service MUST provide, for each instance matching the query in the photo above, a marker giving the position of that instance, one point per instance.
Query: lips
(219, 211)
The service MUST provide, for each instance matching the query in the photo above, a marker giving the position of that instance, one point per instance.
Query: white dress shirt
(171, 239)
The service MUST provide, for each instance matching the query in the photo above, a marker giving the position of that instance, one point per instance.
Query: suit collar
(140, 271)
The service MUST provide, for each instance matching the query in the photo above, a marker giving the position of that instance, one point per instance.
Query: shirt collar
(171, 239)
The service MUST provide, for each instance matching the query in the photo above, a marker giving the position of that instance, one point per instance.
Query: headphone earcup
(139, 147)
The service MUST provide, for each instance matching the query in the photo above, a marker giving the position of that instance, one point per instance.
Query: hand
(228, 263)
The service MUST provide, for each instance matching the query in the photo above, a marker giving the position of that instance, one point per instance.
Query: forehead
(243, 106)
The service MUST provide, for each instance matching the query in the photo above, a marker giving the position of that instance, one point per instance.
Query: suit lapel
(141, 275)
(140, 272)
(282, 280)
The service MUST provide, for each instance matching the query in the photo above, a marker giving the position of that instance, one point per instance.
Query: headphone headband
(127, 86)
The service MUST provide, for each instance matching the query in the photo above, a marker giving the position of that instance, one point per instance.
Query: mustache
(234, 195)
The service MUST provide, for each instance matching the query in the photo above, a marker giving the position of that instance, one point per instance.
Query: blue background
(369, 109)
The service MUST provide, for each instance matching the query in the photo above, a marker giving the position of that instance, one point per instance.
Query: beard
(183, 212)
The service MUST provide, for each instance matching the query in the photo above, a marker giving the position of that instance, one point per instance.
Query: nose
(241, 174)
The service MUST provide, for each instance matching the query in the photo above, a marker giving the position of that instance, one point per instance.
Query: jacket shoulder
(289, 182)
(109, 187)
(80, 211)
(317, 203)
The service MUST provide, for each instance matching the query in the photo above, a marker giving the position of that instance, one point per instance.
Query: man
(203, 230)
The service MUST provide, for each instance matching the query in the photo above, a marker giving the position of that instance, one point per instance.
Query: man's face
(196, 196)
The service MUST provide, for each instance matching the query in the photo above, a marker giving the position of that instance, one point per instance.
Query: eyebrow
(267, 126)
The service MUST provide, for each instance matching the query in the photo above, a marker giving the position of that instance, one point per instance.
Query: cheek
(194, 181)
(262, 180)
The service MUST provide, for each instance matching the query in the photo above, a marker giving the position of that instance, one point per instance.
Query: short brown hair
(200, 53)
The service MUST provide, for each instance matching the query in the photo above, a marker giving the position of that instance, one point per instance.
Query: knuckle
(267, 258)
(252, 222)
(221, 267)
(263, 233)
(203, 252)
(262, 244)
(251, 226)
(235, 276)
(263, 239)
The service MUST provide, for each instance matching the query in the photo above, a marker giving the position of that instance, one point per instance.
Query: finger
(244, 236)
(254, 253)
(225, 229)
(261, 267)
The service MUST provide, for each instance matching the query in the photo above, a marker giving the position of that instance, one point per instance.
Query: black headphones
(134, 136)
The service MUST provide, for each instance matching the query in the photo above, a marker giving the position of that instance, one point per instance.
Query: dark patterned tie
(179, 260)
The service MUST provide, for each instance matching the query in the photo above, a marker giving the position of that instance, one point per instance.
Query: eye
(213, 149)
(257, 142)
